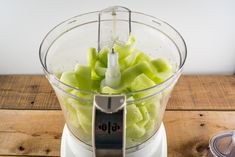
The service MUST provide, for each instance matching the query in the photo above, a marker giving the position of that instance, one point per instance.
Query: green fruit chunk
(100, 69)
(69, 78)
(109, 90)
(146, 116)
(73, 120)
(153, 109)
(124, 50)
(161, 65)
(83, 74)
(95, 85)
(149, 127)
(163, 70)
(127, 61)
(103, 56)
(131, 73)
(140, 57)
(86, 127)
(133, 114)
(131, 40)
(142, 82)
(92, 57)
(94, 76)
(71, 112)
(134, 131)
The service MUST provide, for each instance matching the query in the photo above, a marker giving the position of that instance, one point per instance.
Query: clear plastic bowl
(68, 43)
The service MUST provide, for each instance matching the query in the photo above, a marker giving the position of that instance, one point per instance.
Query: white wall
(208, 27)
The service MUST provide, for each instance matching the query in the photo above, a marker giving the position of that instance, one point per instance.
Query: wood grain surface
(31, 122)
(191, 93)
(38, 133)
(25, 132)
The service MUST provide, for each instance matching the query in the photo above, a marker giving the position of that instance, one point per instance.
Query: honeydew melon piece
(140, 57)
(122, 50)
(94, 76)
(146, 116)
(71, 112)
(131, 40)
(80, 94)
(83, 74)
(103, 56)
(109, 90)
(86, 126)
(161, 65)
(100, 69)
(128, 61)
(153, 109)
(162, 68)
(135, 131)
(131, 73)
(69, 77)
(133, 114)
(95, 85)
(92, 57)
(84, 115)
(149, 127)
(139, 83)
(72, 118)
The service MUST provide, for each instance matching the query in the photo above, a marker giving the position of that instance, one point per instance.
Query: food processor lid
(223, 144)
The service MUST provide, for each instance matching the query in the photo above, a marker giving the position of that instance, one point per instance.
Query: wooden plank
(188, 132)
(26, 92)
(33, 133)
(198, 92)
(24, 132)
(193, 92)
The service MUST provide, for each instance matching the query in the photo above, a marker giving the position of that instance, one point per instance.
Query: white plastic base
(157, 146)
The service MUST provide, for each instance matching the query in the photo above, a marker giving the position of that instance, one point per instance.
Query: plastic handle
(108, 131)
(116, 14)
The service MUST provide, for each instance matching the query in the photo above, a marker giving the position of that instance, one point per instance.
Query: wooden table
(31, 121)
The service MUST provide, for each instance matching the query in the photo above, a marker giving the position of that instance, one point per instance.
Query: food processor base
(156, 146)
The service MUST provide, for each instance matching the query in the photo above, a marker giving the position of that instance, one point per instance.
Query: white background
(208, 26)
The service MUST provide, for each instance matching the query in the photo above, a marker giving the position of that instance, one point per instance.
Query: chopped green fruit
(146, 116)
(150, 126)
(142, 82)
(140, 57)
(128, 61)
(85, 125)
(95, 85)
(161, 65)
(133, 114)
(100, 69)
(122, 50)
(109, 90)
(131, 40)
(80, 94)
(138, 70)
(70, 110)
(131, 73)
(72, 115)
(93, 56)
(103, 56)
(94, 76)
(134, 131)
(69, 78)
(153, 109)
(83, 74)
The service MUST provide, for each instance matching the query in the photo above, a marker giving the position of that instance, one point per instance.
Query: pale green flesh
(138, 71)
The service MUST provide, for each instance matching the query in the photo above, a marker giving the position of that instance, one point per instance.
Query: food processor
(104, 123)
